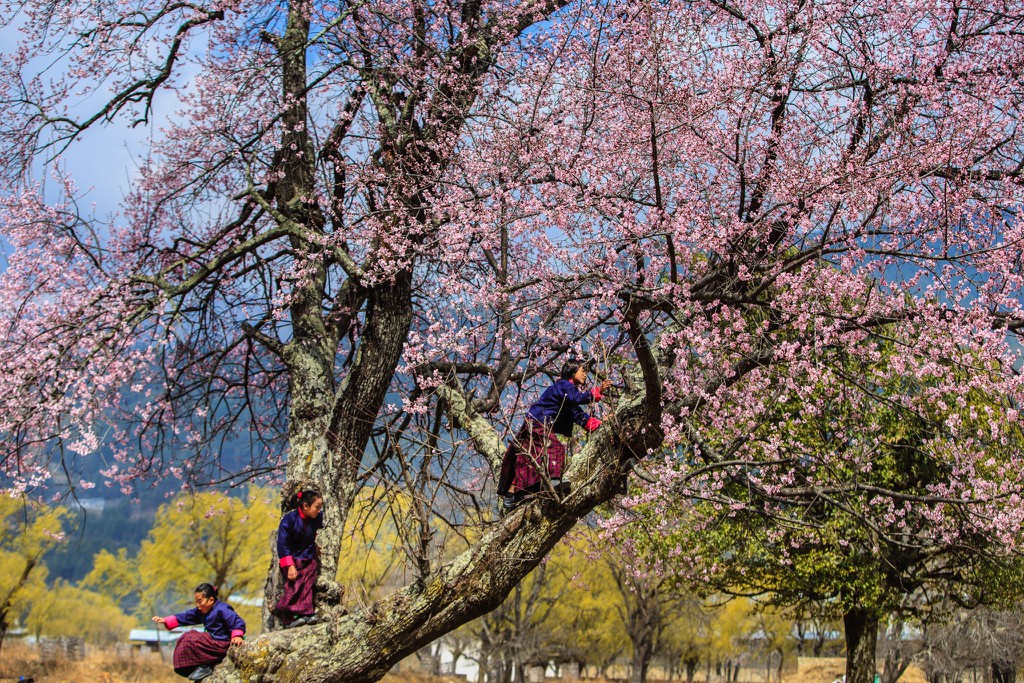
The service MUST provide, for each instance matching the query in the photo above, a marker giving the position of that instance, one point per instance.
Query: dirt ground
(827, 670)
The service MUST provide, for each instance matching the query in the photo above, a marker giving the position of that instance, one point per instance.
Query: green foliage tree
(776, 641)
(564, 612)
(28, 531)
(516, 634)
(645, 607)
(850, 536)
(119, 576)
(732, 624)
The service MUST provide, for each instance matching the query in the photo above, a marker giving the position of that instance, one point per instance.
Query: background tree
(372, 227)
(732, 627)
(66, 610)
(984, 641)
(687, 643)
(515, 635)
(775, 633)
(584, 626)
(897, 647)
(815, 634)
(206, 537)
(374, 561)
(210, 537)
(27, 532)
(119, 576)
(837, 552)
(463, 645)
(645, 608)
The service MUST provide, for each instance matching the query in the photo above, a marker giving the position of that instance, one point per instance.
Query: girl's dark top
(221, 622)
(559, 407)
(296, 537)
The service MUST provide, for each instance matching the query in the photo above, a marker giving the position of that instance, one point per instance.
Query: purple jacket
(296, 537)
(559, 407)
(221, 622)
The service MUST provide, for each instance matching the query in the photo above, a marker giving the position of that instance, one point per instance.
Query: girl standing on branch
(197, 652)
(299, 557)
(535, 453)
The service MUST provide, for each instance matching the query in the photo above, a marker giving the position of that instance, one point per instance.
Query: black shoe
(506, 505)
(200, 673)
(300, 621)
(560, 486)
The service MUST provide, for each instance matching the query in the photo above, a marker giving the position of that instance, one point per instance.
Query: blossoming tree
(370, 229)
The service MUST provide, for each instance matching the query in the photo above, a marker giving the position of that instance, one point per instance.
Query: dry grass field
(826, 670)
(17, 659)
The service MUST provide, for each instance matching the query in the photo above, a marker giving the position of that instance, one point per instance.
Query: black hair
(570, 367)
(207, 590)
(298, 492)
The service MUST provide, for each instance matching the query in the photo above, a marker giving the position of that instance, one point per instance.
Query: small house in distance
(155, 640)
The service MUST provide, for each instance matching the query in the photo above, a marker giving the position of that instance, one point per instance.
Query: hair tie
(299, 495)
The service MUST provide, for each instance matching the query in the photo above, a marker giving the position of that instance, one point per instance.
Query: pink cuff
(592, 424)
(171, 622)
(237, 632)
(596, 391)
(287, 561)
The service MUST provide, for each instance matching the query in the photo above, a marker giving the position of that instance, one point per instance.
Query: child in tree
(197, 652)
(536, 453)
(299, 557)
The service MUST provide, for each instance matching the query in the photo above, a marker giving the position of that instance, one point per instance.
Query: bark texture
(861, 638)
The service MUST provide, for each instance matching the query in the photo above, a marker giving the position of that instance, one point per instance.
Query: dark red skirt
(198, 648)
(539, 452)
(298, 599)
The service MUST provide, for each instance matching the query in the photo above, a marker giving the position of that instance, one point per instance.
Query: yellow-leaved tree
(206, 537)
(28, 531)
(58, 610)
(374, 558)
(585, 626)
(733, 621)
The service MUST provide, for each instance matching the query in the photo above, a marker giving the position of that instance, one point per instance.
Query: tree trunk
(861, 627)
(331, 428)
(641, 662)
(1004, 672)
(691, 669)
(5, 608)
